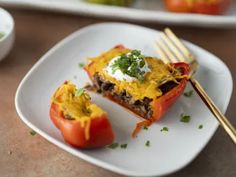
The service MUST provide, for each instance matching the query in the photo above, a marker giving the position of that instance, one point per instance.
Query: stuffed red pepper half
(143, 84)
(82, 123)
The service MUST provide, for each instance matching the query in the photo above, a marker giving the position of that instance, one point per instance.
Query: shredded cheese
(160, 74)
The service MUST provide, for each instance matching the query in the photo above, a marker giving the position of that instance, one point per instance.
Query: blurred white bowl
(6, 33)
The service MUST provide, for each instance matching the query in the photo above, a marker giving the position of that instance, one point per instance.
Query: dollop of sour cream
(119, 75)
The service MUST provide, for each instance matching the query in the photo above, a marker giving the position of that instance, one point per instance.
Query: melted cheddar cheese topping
(76, 107)
(160, 73)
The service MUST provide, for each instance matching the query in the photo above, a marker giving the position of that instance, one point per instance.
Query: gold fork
(172, 50)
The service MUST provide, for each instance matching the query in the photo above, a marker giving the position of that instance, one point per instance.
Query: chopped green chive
(200, 126)
(185, 118)
(189, 93)
(131, 64)
(147, 143)
(79, 92)
(145, 128)
(165, 129)
(32, 132)
(113, 145)
(81, 65)
(124, 146)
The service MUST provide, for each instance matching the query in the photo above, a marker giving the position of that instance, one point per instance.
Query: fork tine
(172, 47)
(161, 53)
(178, 43)
(168, 53)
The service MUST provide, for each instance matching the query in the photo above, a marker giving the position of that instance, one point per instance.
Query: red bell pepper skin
(100, 131)
(181, 6)
(216, 7)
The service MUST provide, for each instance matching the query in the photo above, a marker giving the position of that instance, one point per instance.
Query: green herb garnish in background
(113, 145)
(147, 143)
(200, 126)
(123, 146)
(185, 118)
(165, 129)
(79, 92)
(2, 35)
(145, 128)
(32, 132)
(130, 64)
(81, 65)
(189, 93)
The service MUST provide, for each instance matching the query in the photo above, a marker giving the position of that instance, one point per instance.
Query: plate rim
(80, 154)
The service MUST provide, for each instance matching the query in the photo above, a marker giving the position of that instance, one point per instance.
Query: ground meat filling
(141, 107)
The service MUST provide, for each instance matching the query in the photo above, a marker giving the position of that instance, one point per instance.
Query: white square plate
(169, 151)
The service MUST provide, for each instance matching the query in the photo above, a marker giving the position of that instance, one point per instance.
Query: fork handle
(228, 127)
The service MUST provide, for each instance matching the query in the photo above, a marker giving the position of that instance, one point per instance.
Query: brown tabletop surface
(24, 155)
